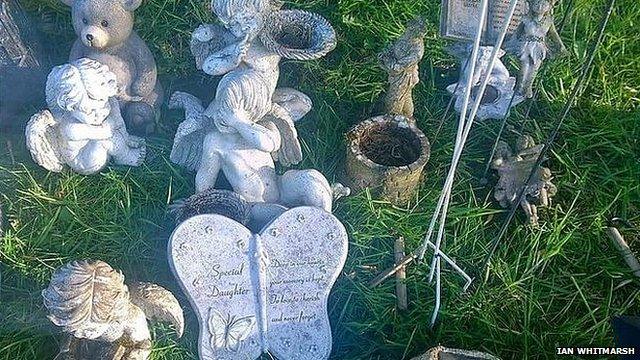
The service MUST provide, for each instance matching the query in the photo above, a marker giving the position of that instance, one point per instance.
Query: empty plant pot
(387, 154)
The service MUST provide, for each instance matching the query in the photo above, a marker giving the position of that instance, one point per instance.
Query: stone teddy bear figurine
(105, 33)
(102, 316)
(83, 128)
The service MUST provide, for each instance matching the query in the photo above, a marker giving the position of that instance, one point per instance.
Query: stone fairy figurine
(529, 43)
(83, 127)
(250, 124)
(514, 169)
(400, 59)
(103, 317)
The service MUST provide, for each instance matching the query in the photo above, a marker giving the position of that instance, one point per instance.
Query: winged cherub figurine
(529, 43)
(514, 169)
(250, 124)
(83, 127)
(103, 317)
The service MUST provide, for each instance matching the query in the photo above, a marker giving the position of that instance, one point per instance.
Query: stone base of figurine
(387, 154)
(499, 96)
(496, 101)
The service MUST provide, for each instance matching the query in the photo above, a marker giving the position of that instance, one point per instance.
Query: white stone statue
(499, 95)
(83, 127)
(250, 124)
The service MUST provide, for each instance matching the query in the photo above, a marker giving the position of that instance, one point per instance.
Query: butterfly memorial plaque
(265, 292)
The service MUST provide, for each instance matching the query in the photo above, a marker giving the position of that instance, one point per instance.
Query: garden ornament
(444, 353)
(105, 33)
(266, 291)
(104, 318)
(499, 95)
(529, 43)
(83, 127)
(244, 151)
(514, 169)
(250, 123)
(400, 60)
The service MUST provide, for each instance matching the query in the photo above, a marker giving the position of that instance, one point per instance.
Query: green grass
(558, 285)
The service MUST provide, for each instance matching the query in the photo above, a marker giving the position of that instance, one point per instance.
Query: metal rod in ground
(409, 259)
(484, 8)
(574, 94)
(469, 123)
(401, 275)
(449, 104)
(495, 143)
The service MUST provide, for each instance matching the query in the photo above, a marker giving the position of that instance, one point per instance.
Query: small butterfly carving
(229, 331)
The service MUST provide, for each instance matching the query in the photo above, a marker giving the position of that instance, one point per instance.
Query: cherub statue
(83, 127)
(245, 151)
(529, 43)
(250, 124)
(400, 59)
(514, 170)
(103, 317)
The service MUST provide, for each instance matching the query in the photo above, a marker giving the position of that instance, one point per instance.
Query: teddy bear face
(102, 24)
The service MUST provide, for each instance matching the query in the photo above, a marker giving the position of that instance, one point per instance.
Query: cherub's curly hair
(85, 296)
(225, 9)
(241, 92)
(68, 84)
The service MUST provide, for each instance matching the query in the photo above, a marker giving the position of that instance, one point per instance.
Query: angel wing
(187, 144)
(290, 152)
(306, 248)
(158, 304)
(43, 141)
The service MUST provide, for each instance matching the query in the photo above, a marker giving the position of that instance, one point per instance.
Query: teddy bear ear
(67, 2)
(129, 5)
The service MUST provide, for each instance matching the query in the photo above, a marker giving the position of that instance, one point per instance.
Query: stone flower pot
(387, 154)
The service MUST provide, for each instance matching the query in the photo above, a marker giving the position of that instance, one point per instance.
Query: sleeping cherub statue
(83, 127)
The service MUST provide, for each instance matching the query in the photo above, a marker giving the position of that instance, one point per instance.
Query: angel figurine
(528, 42)
(103, 317)
(245, 151)
(514, 169)
(83, 127)
(400, 59)
(250, 124)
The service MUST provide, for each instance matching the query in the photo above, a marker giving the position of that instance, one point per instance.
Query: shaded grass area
(554, 286)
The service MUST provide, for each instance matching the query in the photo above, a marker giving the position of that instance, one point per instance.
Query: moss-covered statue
(102, 317)
(400, 59)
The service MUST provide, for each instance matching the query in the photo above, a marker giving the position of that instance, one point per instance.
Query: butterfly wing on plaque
(306, 249)
(210, 256)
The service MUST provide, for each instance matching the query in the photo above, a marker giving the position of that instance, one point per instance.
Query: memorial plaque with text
(460, 18)
(255, 293)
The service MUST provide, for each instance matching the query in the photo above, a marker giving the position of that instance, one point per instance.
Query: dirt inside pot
(390, 145)
(490, 95)
(294, 36)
